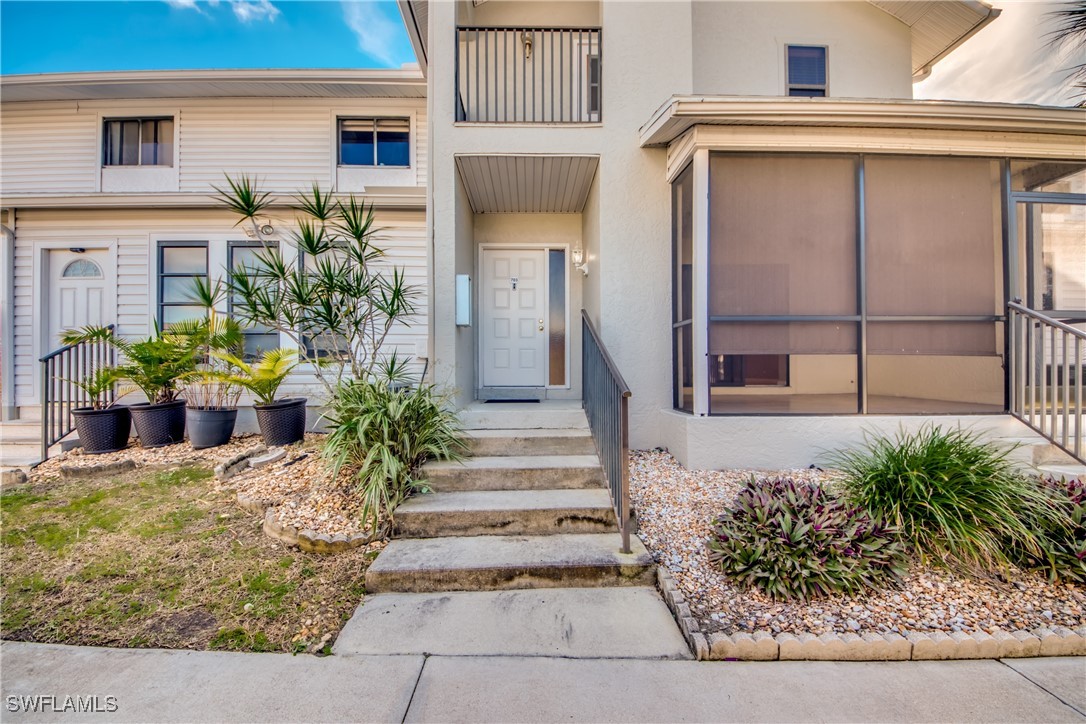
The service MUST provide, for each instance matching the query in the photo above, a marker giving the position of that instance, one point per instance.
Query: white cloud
(248, 11)
(375, 31)
(1011, 61)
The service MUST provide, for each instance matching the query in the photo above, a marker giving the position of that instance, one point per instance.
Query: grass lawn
(163, 560)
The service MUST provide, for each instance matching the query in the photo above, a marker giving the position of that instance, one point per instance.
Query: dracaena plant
(340, 299)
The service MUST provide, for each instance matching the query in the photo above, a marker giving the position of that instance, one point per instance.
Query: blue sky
(46, 36)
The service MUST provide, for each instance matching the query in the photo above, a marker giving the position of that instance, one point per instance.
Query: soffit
(416, 18)
(527, 184)
(213, 84)
(937, 27)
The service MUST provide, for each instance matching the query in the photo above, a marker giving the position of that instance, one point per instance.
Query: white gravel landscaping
(676, 508)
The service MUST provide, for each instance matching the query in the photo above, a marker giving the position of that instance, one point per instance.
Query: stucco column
(700, 286)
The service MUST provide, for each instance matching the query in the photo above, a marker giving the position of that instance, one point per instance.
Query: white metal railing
(1047, 369)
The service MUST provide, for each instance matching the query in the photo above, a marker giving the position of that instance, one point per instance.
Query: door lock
(541, 325)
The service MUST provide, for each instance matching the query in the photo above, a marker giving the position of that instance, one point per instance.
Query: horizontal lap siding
(47, 150)
(288, 143)
(402, 235)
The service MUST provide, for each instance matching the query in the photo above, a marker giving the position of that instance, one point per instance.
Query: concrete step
(506, 512)
(531, 442)
(552, 415)
(483, 563)
(626, 622)
(515, 472)
(1070, 472)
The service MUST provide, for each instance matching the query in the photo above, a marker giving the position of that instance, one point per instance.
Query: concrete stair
(20, 444)
(492, 443)
(516, 472)
(506, 512)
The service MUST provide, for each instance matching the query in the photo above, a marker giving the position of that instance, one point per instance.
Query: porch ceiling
(499, 184)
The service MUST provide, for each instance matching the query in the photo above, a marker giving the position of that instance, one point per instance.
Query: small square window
(806, 70)
(138, 142)
(375, 142)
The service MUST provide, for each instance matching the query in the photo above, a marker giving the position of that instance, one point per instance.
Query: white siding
(133, 233)
(51, 148)
(47, 150)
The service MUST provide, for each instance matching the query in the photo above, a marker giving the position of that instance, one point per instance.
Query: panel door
(513, 337)
(77, 291)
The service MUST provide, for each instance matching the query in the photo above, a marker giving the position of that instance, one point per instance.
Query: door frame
(42, 277)
(478, 302)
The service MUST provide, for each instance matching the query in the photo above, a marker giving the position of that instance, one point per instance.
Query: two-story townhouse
(779, 247)
(108, 195)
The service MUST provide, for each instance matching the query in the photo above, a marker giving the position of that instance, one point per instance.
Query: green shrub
(957, 500)
(387, 434)
(795, 540)
(1063, 536)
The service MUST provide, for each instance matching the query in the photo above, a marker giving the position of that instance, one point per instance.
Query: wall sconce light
(267, 229)
(526, 39)
(578, 261)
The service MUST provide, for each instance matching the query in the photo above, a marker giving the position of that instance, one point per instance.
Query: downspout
(8, 410)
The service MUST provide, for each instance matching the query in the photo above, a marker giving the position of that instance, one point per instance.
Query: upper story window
(806, 71)
(375, 142)
(138, 142)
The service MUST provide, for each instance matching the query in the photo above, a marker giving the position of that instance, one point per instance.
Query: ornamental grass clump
(386, 433)
(796, 541)
(1063, 543)
(958, 501)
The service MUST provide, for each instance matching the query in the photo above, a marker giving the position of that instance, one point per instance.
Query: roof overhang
(680, 113)
(527, 184)
(291, 83)
(416, 18)
(937, 26)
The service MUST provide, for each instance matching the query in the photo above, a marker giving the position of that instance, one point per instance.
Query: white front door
(77, 291)
(513, 342)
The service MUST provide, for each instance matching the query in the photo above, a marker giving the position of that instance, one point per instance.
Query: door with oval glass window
(78, 291)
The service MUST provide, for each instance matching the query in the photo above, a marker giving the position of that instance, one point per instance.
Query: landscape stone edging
(231, 466)
(70, 472)
(310, 540)
(916, 646)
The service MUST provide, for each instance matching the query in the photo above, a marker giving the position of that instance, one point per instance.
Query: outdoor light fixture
(267, 229)
(578, 261)
(526, 39)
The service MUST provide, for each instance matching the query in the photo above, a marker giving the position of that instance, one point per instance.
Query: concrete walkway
(155, 685)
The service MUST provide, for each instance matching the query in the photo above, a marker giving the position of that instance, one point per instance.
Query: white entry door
(77, 291)
(513, 342)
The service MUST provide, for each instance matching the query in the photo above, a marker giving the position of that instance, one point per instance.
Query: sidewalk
(154, 685)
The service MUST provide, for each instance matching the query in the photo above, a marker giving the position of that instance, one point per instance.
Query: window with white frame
(375, 142)
(138, 142)
(806, 71)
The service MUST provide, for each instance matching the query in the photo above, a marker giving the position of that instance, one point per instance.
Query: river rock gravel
(676, 508)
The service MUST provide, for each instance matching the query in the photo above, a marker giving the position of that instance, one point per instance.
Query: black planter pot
(103, 431)
(161, 424)
(282, 422)
(210, 427)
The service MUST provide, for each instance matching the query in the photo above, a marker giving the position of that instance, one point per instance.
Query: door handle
(541, 325)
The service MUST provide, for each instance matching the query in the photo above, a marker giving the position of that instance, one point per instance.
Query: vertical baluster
(486, 76)
(1053, 382)
(579, 55)
(561, 74)
(1041, 375)
(1065, 388)
(1023, 361)
(505, 76)
(475, 108)
(1079, 374)
(550, 80)
(1012, 327)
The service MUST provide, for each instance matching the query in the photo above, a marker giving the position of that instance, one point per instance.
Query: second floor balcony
(529, 75)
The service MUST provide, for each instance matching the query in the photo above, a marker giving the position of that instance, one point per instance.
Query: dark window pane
(356, 143)
(393, 147)
(556, 313)
(806, 65)
(257, 344)
(130, 139)
(807, 92)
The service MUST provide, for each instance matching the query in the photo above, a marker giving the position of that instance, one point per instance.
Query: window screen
(807, 70)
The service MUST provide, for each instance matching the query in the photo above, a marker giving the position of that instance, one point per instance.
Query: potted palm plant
(104, 426)
(156, 365)
(282, 422)
(212, 392)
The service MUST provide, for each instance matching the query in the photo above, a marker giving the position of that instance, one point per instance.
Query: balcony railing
(529, 75)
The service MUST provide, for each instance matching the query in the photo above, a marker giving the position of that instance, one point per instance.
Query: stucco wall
(738, 47)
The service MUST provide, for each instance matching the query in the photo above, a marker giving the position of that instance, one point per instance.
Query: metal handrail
(606, 400)
(1041, 367)
(61, 369)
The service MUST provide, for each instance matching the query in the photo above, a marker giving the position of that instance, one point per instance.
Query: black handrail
(1047, 371)
(61, 369)
(607, 405)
